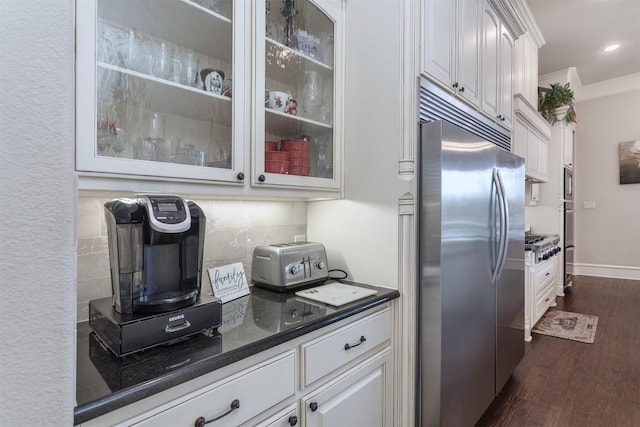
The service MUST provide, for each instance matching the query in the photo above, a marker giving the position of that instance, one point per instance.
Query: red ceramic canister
(294, 144)
(270, 146)
(299, 170)
(299, 154)
(276, 166)
(282, 156)
(299, 161)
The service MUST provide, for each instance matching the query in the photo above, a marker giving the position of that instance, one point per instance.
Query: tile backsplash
(233, 229)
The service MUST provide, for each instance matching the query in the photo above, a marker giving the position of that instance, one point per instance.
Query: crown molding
(509, 16)
(529, 21)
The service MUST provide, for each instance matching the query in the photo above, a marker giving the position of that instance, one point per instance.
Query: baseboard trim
(601, 270)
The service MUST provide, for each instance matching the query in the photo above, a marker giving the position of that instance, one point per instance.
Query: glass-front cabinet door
(296, 97)
(167, 85)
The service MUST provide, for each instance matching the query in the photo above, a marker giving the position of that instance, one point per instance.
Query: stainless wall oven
(569, 228)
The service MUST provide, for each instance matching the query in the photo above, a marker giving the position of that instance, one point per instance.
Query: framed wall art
(629, 155)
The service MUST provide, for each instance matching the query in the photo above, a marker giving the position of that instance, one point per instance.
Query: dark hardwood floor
(567, 383)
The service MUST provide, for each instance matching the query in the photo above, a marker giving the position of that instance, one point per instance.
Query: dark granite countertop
(251, 324)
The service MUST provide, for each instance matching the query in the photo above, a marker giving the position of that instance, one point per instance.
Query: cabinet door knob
(455, 85)
(313, 406)
(262, 178)
(293, 420)
(240, 176)
(201, 421)
(461, 88)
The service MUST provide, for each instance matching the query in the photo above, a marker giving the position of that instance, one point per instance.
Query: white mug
(212, 80)
(278, 100)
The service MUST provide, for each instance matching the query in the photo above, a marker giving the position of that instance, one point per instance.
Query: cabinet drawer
(544, 301)
(326, 354)
(543, 276)
(257, 389)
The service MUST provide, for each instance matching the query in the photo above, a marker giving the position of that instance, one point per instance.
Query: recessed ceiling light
(611, 47)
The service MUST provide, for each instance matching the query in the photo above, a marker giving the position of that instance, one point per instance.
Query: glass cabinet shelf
(165, 96)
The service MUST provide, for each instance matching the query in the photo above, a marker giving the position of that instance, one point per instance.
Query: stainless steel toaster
(287, 266)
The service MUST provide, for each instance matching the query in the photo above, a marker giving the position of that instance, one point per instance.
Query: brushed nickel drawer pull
(348, 346)
(201, 421)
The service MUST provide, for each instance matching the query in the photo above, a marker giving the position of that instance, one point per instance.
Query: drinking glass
(190, 69)
(312, 94)
(163, 62)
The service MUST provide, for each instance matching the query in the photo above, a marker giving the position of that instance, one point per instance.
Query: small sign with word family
(228, 282)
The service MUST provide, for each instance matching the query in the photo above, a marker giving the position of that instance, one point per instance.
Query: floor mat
(570, 326)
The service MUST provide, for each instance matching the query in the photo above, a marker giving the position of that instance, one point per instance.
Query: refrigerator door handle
(494, 240)
(504, 223)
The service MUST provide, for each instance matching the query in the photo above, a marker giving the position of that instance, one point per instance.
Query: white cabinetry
(526, 69)
(343, 368)
(540, 292)
(468, 50)
(451, 52)
(531, 135)
(234, 400)
(159, 105)
(568, 140)
(359, 398)
(550, 219)
(497, 53)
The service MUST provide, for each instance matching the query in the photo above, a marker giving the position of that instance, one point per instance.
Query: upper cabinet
(568, 142)
(497, 50)
(155, 97)
(467, 47)
(297, 94)
(451, 52)
(186, 92)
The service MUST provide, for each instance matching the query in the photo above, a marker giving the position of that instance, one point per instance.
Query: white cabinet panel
(438, 37)
(490, 61)
(506, 78)
(539, 291)
(497, 68)
(451, 45)
(255, 390)
(329, 353)
(359, 399)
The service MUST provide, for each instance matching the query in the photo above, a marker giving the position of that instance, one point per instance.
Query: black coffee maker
(156, 247)
(156, 244)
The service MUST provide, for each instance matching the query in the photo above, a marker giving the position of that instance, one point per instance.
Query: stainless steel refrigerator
(471, 277)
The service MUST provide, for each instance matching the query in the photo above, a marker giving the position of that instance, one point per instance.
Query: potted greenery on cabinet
(555, 97)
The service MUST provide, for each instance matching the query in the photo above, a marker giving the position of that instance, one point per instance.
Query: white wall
(608, 236)
(37, 241)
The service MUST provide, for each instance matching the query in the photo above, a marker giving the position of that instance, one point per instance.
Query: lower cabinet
(539, 292)
(338, 375)
(359, 398)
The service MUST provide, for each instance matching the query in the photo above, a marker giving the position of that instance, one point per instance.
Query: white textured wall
(37, 237)
(610, 233)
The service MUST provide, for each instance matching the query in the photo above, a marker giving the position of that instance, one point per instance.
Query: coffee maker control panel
(167, 214)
